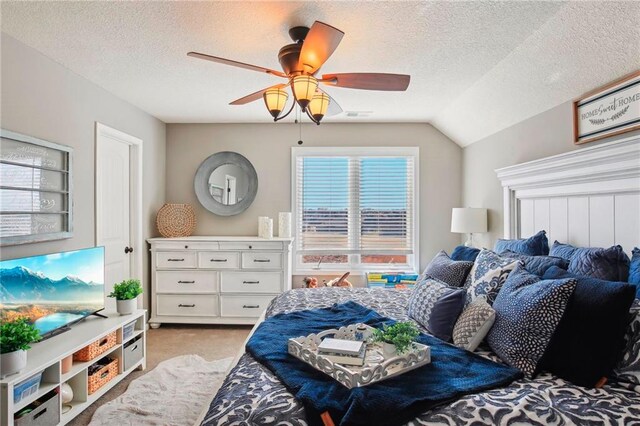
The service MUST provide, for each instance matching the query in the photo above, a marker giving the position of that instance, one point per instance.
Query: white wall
(43, 99)
(542, 135)
(268, 147)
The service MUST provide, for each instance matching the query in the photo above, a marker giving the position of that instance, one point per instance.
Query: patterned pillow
(473, 324)
(448, 271)
(487, 275)
(528, 310)
(628, 370)
(634, 270)
(537, 245)
(436, 306)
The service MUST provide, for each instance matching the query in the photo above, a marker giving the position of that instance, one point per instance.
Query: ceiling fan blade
(368, 81)
(255, 96)
(333, 108)
(321, 41)
(236, 64)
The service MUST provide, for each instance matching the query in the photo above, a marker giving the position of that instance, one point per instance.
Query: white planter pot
(12, 362)
(126, 307)
(389, 349)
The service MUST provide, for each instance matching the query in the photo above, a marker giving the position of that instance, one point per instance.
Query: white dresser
(216, 280)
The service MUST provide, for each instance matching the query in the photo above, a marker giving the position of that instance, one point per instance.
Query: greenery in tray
(401, 334)
(127, 289)
(16, 335)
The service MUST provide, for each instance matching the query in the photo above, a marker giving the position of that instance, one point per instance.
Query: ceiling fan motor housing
(288, 57)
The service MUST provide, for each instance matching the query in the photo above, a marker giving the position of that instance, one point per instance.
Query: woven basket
(103, 376)
(96, 348)
(176, 220)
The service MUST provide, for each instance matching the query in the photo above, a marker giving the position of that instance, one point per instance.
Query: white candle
(265, 227)
(284, 224)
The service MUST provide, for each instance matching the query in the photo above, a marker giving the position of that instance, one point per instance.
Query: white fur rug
(173, 394)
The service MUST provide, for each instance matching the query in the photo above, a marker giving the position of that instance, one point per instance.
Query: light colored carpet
(172, 394)
(169, 341)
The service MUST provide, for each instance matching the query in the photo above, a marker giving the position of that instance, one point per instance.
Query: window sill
(359, 271)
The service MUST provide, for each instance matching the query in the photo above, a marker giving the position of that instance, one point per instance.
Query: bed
(587, 197)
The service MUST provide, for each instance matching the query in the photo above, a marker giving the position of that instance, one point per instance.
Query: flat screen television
(53, 290)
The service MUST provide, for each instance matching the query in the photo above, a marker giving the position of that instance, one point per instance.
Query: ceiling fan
(300, 62)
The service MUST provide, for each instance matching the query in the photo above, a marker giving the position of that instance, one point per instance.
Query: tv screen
(53, 290)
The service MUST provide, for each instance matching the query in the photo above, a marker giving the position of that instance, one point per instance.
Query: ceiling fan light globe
(304, 88)
(275, 100)
(318, 105)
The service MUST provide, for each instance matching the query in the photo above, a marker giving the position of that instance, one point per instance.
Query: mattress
(252, 395)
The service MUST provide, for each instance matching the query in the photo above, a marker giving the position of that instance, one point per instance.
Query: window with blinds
(355, 208)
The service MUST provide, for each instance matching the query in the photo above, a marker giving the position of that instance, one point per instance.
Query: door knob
(128, 250)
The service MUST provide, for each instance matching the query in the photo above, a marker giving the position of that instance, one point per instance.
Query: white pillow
(473, 324)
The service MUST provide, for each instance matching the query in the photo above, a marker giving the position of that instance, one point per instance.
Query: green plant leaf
(402, 334)
(126, 290)
(16, 335)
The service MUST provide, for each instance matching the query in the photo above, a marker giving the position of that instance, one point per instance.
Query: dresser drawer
(244, 306)
(186, 282)
(251, 245)
(250, 282)
(261, 260)
(197, 305)
(218, 260)
(175, 259)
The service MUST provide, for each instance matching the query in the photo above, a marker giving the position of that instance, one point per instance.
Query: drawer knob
(187, 306)
(262, 260)
(250, 306)
(250, 282)
(186, 282)
(175, 260)
(250, 247)
(218, 260)
(186, 247)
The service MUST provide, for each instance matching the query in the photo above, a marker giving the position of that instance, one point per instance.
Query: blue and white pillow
(528, 310)
(628, 370)
(634, 270)
(537, 264)
(488, 274)
(436, 306)
(448, 271)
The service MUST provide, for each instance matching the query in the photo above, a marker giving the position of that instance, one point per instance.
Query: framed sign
(607, 111)
(35, 190)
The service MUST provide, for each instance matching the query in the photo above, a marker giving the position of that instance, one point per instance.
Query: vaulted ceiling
(476, 67)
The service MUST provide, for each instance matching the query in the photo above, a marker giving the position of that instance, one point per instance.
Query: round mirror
(226, 183)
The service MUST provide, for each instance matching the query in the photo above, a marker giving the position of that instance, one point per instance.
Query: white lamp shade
(468, 220)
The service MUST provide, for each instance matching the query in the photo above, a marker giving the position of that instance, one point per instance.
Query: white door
(230, 190)
(113, 221)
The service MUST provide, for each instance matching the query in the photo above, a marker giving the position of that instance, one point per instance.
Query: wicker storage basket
(103, 376)
(96, 348)
(176, 220)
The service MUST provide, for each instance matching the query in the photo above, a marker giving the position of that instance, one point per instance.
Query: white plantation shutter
(355, 202)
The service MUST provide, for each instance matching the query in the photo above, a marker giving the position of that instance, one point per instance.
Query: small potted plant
(397, 338)
(15, 337)
(126, 294)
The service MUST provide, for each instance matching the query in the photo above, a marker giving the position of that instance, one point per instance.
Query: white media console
(47, 356)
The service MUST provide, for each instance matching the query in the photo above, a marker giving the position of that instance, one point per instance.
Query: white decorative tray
(377, 366)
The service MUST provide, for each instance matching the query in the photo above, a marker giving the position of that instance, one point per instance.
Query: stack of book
(342, 351)
(391, 280)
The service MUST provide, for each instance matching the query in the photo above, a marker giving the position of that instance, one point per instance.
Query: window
(355, 209)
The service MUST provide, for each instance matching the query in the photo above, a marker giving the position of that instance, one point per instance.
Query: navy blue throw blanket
(453, 372)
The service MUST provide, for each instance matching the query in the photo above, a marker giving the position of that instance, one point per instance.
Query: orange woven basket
(96, 348)
(103, 376)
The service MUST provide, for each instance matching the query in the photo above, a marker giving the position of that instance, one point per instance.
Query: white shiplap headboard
(589, 197)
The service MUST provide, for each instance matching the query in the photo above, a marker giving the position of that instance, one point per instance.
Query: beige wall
(41, 98)
(267, 146)
(543, 135)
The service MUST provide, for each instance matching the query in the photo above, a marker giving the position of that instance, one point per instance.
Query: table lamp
(467, 220)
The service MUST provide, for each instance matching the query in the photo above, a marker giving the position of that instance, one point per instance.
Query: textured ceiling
(476, 67)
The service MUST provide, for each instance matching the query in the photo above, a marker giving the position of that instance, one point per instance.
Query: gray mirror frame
(201, 183)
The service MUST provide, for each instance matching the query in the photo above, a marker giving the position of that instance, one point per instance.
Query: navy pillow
(609, 264)
(448, 271)
(465, 253)
(634, 270)
(528, 310)
(589, 340)
(538, 245)
(436, 306)
(537, 264)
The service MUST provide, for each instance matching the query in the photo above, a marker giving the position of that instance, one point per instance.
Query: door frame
(102, 135)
